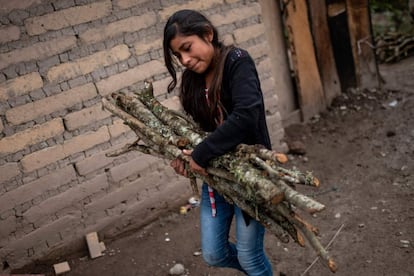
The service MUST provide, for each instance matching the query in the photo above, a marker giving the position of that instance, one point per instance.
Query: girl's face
(193, 52)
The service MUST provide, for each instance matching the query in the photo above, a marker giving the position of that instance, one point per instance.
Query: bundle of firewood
(250, 177)
(392, 47)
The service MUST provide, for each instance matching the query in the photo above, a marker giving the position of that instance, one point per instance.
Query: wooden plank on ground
(309, 85)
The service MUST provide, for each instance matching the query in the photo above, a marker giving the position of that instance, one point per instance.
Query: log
(248, 177)
(392, 47)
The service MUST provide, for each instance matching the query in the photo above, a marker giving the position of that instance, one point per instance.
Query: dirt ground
(361, 149)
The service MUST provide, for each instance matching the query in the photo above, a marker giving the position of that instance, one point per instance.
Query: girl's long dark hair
(192, 91)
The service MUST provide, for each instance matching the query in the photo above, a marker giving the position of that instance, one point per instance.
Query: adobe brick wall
(57, 61)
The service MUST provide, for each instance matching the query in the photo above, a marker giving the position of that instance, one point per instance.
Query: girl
(220, 89)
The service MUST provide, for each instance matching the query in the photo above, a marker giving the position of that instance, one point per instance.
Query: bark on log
(393, 47)
(243, 177)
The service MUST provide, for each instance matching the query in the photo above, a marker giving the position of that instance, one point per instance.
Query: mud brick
(95, 248)
(48, 62)
(103, 247)
(23, 275)
(61, 268)
(20, 86)
(37, 51)
(9, 33)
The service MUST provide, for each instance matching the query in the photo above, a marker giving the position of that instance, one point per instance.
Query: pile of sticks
(249, 177)
(392, 47)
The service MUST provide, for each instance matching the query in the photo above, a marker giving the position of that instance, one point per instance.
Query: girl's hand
(179, 166)
(194, 167)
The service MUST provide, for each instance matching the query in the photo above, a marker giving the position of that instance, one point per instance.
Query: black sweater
(242, 98)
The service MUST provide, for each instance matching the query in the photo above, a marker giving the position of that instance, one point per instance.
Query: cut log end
(332, 266)
(316, 210)
(316, 182)
(278, 198)
(281, 158)
(183, 142)
(300, 239)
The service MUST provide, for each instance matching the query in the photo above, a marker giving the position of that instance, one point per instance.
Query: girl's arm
(243, 123)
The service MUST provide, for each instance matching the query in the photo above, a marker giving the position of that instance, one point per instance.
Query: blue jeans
(247, 254)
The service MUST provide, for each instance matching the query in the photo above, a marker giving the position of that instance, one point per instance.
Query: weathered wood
(258, 153)
(179, 124)
(324, 51)
(392, 47)
(362, 43)
(279, 230)
(308, 80)
(308, 232)
(234, 176)
(241, 170)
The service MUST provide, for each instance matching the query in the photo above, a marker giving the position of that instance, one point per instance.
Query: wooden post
(324, 51)
(359, 23)
(309, 85)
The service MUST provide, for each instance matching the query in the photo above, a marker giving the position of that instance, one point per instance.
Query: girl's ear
(210, 35)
